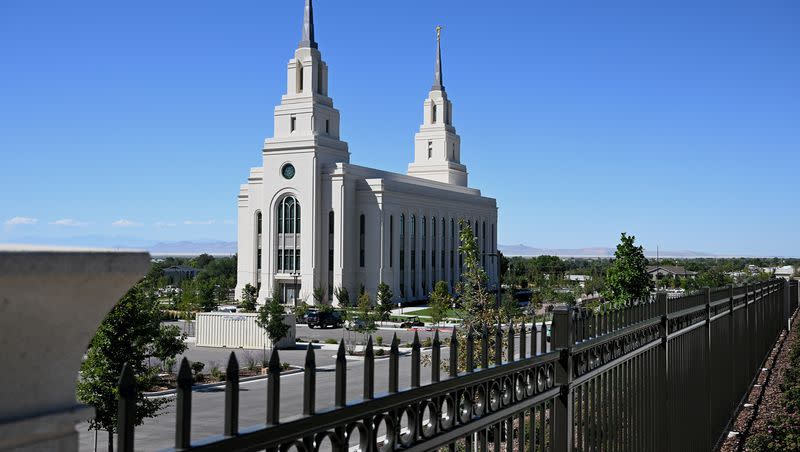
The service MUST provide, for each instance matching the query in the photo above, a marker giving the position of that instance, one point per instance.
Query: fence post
(787, 313)
(663, 369)
(563, 341)
(707, 362)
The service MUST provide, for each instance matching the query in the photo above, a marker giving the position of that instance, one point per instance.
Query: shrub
(285, 366)
(315, 341)
(380, 352)
(197, 367)
(427, 342)
(331, 341)
(379, 340)
(249, 361)
(216, 374)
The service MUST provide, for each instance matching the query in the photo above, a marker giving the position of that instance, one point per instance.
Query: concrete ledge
(51, 302)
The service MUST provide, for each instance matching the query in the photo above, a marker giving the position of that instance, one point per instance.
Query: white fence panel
(234, 330)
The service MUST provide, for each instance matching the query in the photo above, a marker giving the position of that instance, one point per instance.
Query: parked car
(411, 322)
(324, 319)
(355, 324)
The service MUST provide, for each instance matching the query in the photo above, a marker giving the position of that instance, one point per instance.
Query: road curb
(168, 392)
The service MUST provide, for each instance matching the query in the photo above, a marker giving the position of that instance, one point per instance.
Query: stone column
(51, 303)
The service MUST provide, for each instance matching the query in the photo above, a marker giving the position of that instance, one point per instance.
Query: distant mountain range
(223, 248)
(524, 250)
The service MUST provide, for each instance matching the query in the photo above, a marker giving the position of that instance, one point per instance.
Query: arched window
(361, 233)
(433, 113)
(288, 235)
(424, 256)
(299, 77)
(453, 246)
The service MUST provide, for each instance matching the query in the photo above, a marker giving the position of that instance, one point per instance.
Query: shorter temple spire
(437, 81)
(308, 27)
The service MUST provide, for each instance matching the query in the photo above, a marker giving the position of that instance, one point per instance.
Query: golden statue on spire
(438, 32)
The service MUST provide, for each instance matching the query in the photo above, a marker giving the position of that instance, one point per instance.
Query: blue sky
(678, 122)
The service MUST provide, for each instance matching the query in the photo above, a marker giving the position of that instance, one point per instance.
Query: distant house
(785, 272)
(580, 279)
(659, 272)
(177, 273)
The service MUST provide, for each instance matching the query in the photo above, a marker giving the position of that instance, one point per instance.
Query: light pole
(295, 275)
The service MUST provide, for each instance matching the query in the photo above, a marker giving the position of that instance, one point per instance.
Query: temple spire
(308, 27)
(437, 81)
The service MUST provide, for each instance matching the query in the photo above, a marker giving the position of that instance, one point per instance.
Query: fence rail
(656, 375)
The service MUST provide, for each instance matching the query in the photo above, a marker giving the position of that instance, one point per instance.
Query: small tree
(343, 296)
(270, 318)
(384, 297)
(249, 297)
(169, 343)
(627, 278)
(366, 313)
(439, 301)
(130, 334)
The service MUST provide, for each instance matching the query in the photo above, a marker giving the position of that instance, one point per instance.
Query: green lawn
(450, 313)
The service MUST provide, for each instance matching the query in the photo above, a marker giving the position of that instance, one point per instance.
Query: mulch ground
(764, 402)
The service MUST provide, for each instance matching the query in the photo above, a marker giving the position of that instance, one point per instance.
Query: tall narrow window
(293, 123)
(424, 257)
(258, 240)
(433, 113)
(361, 233)
(433, 250)
(453, 151)
(452, 251)
(413, 255)
(330, 253)
(402, 256)
(430, 149)
(300, 77)
(460, 254)
(391, 241)
(444, 242)
(483, 244)
(327, 126)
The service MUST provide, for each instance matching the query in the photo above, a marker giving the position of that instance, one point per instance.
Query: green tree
(343, 296)
(366, 313)
(627, 278)
(384, 297)
(130, 334)
(249, 297)
(439, 301)
(270, 318)
(169, 343)
(479, 305)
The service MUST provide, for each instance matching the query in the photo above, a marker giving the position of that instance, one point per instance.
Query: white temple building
(308, 218)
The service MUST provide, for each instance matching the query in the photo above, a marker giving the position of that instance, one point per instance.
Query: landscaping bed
(770, 418)
(168, 381)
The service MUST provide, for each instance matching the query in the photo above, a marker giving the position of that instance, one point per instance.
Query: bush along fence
(655, 375)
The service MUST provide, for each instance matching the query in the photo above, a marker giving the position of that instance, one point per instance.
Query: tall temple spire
(437, 81)
(308, 27)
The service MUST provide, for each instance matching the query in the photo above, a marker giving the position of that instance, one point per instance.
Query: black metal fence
(657, 375)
